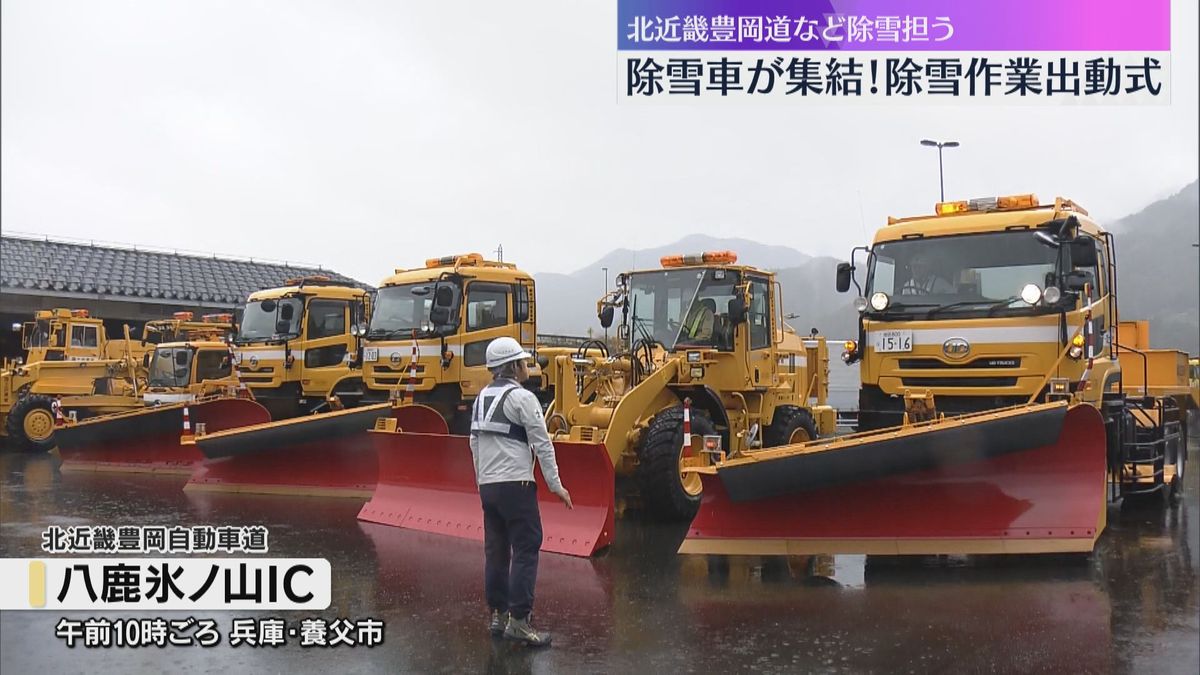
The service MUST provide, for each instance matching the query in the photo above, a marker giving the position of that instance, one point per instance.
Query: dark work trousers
(512, 535)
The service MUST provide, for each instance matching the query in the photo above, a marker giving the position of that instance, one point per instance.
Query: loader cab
(977, 302)
(184, 370)
(448, 312)
(63, 335)
(704, 306)
(295, 343)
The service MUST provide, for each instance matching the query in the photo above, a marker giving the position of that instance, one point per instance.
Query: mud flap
(322, 455)
(148, 439)
(427, 483)
(1048, 498)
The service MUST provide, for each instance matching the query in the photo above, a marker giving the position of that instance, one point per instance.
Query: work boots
(498, 623)
(520, 631)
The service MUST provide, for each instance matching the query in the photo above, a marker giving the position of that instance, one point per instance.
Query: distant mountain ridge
(1157, 267)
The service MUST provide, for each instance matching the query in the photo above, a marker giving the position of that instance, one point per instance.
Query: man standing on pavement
(506, 424)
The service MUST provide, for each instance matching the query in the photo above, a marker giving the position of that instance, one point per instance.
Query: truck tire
(665, 495)
(789, 425)
(30, 424)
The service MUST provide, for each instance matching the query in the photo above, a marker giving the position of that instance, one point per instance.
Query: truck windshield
(960, 275)
(170, 367)
(271, 320)
(682, 308)
(403, 310)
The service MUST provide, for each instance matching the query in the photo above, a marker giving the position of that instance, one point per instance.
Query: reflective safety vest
(487, 416)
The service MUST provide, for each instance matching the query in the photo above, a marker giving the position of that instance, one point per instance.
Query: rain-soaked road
(1131, 606)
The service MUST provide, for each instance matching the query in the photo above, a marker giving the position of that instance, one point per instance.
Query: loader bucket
(149, 439)
(1021, 480)
(322, 455)
(427, 483)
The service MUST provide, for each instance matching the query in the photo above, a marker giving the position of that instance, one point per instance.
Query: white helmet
(504, 349)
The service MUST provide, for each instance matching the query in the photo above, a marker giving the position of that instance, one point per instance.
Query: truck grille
(981, 362)
(959, 381)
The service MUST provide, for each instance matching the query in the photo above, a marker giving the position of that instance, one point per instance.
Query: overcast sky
(370, 135)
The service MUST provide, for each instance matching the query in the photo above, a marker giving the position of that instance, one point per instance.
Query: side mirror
(844, 273)
(737, 310)
(606, 316)
(1075, 281)
(146, 360)
(439, 316)
(282, 326)
(286, 312)
(181, 358)
(1083, 252)
(444, 297)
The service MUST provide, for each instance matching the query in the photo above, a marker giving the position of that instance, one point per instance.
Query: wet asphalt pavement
(1131, 606)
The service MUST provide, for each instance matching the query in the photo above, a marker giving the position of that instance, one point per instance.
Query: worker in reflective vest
(507, 431)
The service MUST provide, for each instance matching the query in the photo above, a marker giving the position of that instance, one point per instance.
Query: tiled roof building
(71, 270)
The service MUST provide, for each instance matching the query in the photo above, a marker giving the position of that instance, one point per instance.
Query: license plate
(371, 354)
(893, 341)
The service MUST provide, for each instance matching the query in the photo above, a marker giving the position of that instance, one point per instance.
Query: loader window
(83, 336)
(36, 335)
(170, 367)
(326, 318)
(760, 314)
(683, 307)
(213, 364)
(487, 306)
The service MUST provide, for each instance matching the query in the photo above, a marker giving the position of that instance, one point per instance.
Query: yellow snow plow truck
(298, 344)
(996, 302)
(431, 327)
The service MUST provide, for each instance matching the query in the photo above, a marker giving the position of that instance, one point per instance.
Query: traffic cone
(687, 426)
(410, 387)
(187, 425)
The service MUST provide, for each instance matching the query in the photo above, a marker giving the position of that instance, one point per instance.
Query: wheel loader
(702, 339)
(1003, 403)
(192, 387)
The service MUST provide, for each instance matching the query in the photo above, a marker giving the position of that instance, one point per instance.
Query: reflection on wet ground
(1132, 605)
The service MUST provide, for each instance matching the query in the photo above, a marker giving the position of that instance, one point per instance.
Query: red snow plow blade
(148, 439)
(1022, 480)
(427, 483)
(323, 455)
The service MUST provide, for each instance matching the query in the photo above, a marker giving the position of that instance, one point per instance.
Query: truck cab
(298, 343)
(436, 321)
(980, 304)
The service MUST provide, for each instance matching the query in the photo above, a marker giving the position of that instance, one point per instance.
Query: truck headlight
(1031, 294)
(860, 304)
(1051, 295)
(880, 301)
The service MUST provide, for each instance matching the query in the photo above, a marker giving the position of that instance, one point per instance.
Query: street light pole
(941, 174)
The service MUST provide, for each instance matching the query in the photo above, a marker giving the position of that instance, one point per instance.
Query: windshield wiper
(954, 305)
(1002, 304)
(903, 305)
